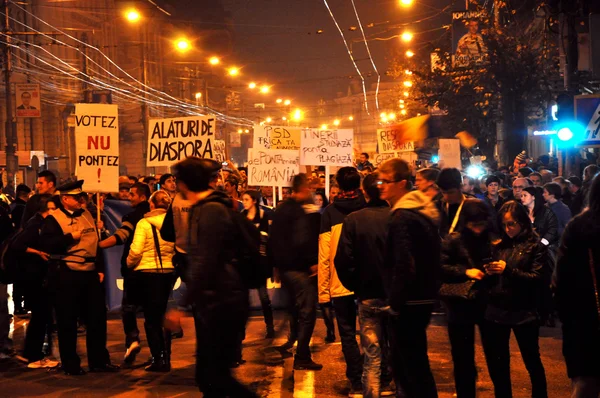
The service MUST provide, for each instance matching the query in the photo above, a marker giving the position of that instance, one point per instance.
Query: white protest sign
(97, 146)
(219, 153)
(272, 167)
(172, 140)
(276, 137)
(449, 153)
(326, 147)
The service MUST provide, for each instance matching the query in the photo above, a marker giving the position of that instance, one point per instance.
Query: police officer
(71, 237)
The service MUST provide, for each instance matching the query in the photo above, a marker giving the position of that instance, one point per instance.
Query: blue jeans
(303, 309)
(373, 319)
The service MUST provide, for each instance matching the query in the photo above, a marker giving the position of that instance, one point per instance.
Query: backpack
(249, 261)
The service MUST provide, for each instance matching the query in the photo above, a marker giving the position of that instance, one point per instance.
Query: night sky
(276, 41)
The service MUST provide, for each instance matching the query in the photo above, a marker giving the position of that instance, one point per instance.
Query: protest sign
(272, 167)
(381, 158)
(397, 138)
(28, 99)
(172, 140)
(276, 137)
(326, 147)
(449, 153)
(97, 146)
(219, 153)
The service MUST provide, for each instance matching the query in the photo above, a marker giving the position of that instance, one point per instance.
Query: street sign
(587, 112)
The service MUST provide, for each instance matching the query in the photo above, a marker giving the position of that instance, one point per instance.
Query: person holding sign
(70, 236)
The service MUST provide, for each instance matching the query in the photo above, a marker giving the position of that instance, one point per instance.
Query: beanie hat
(521, 157)
(491, 179)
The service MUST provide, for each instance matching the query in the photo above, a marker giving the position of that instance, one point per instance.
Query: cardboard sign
(449, 153)
(276, 137)
(219, 153)
(97, 147)
(326, 147)
(272, 167)
(172, 140)
(28, 100)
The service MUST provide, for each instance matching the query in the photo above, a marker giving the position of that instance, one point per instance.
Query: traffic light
(568, 131)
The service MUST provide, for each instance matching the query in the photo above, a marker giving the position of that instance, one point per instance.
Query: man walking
(138, 196)
(214, 285)
(294, 250)
(349, 200)
(413, 263)
(71, 234)
(360, 265)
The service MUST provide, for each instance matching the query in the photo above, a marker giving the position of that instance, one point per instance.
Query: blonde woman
(150, 257)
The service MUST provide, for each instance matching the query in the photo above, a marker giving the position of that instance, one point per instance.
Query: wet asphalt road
(264, 371)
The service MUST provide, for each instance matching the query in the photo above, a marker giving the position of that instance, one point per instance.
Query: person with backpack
(577, 297)
(150, 257)
(34, 269)
(217, 252)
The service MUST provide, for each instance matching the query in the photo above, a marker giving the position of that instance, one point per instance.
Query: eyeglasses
(385, 182)
(510, 224)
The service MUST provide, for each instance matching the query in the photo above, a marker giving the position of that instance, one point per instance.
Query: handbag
(595, 283)
(157, 247)
(466, 290)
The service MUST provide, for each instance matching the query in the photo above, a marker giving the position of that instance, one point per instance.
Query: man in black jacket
(413, 261)
(214, 284)
(293, 248)
(360, 266)
(138, 196)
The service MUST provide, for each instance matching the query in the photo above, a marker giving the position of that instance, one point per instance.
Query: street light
(403, 111)
(336, 122)
(214, 61)
(297, 116)
(198, 96)
(240, 131)
(132, 15)
(405, 93)
(279, 100)
(392, 116)
(268, 120)
(351, 118)
(410, 54)
(324, 127)
(183, 45)
(406, 37)
(265, 89)
(406, 3)
(233, 71)
(408, 83)
(252, 86)
(287, 102)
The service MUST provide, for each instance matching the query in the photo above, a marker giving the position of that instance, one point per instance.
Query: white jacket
(142, 254)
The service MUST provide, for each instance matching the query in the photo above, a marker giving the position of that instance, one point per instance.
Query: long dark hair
(325, 201)
(256, 197)
(594, 198)
(521, 215)
(538, 195)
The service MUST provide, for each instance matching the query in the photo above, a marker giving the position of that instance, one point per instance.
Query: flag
(466, 139)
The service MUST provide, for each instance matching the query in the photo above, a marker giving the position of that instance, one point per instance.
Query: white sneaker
(43, 363)
(132, 352)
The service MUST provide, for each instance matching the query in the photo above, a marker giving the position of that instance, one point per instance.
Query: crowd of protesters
(508, 250)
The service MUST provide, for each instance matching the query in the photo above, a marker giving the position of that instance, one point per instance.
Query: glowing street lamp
(351, 118)
(408, 83)
(297, 116)
(279, 100)
(214, 61)
(392, 116)
(268, 120)
(405, 93)
(382, 115)
(403, 112)
(240, 131)
(265, 89)
(233, 71)
(198, 96)
(183, 45)
(252, 86)
(132, 15)
(287, 102)
(406, 3)
(406, 37)
(410, 54)
(324, 127)
(336, 122)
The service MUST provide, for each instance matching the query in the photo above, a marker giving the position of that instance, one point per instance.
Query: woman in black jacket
(34, 263)
(576, 289)
(545, 224)
(464, 255)
(261, 219)
(515, 278)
